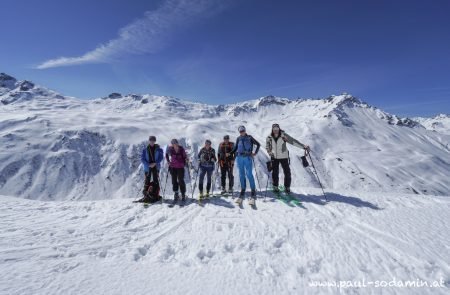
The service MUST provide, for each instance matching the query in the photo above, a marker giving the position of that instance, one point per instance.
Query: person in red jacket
(226, 163)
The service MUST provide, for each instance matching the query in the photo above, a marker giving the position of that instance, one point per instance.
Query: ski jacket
(225, 148)
(207, 157)
(176, 159)
(152, 155)
(278, 145)
(244, 146)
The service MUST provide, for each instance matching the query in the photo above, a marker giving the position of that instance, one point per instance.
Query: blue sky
(393, 54)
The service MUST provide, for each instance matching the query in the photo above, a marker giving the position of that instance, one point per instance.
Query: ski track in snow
(114, 247)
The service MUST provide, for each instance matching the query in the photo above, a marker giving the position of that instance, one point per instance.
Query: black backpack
(152, 193)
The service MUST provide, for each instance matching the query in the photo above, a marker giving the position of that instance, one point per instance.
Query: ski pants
(286, 170)
(178, 180)
(208, 170)
(151, 174)
(245, 166)
(227, 168)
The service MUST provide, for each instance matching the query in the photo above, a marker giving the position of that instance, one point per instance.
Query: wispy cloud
(149, 34)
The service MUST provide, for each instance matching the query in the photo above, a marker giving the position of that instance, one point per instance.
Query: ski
(281, 196)
(183, 203)
(173, 203)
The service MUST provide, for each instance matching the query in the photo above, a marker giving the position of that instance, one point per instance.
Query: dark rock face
(115, 95)
(271, 100)
(26, 85)
(7, 81)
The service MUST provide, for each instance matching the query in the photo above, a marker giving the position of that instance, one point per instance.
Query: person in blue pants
(243, 151)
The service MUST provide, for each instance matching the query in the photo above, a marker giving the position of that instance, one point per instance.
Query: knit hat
(241, 128)
(152, 138)
(174, 141)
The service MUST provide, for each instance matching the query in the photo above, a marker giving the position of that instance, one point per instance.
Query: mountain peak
(7, 81)
(272, 100)
(345, 99)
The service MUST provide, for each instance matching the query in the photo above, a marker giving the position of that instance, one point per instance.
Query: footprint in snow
(205, 256)
(167, 254)
(140, 252)
(229, 248)
(130, 219)
(278, 243)
(161, 219)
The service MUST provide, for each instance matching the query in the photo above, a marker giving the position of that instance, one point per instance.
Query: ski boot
(224, 191)
(241, 197)
(176, 197)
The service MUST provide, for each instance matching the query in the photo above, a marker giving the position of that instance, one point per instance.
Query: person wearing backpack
(226, 164)
(276, 146)
(151, 159)
(207, 159)
(176, 157)
(243, 151)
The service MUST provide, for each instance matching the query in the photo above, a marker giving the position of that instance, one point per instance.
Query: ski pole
(137, 195)
(189, 174)
(230, 176)
(318, 179)
(267, 186)
(165, 184)
(214, 179)
(256, 172)
(195, 181)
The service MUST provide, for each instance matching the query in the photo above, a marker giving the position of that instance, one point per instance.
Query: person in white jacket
(276, 146)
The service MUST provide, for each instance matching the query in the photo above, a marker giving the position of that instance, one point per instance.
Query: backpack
(225, 148)
(245, 145)
(152, 194)
(207, 156)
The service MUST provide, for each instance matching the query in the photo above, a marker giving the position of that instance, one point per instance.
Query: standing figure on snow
(176, 157)
(243, 150)
(151, 159)
(276, 146)
(207, 159)
(226, 163)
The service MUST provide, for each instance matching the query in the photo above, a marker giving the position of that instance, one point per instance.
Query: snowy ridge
(383, 221)
(56, 147)
(440, 123)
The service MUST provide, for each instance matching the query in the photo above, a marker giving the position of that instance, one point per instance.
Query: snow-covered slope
(115, 247)
(440, 123)
(55, 147)
(384, 223)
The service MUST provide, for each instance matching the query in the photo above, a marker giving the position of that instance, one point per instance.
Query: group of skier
(241, 152)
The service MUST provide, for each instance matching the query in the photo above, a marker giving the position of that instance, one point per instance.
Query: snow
(69, 169)
(440, 123)
(115, 247)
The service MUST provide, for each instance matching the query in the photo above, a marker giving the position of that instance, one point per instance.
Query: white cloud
(148, 34)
